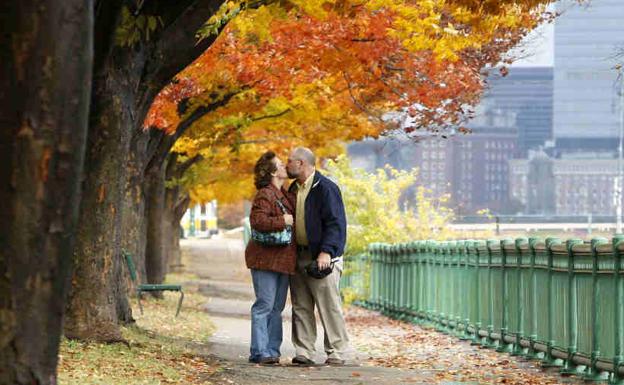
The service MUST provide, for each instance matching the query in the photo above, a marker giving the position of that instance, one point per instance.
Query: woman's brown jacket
(267, 216)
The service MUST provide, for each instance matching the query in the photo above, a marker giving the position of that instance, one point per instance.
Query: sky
(537, 49)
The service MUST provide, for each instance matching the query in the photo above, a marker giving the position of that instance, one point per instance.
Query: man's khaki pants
(306, 293)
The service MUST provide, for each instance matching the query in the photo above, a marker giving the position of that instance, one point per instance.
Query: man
(320, 230)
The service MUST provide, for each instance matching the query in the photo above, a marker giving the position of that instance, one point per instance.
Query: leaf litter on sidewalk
(397, 344)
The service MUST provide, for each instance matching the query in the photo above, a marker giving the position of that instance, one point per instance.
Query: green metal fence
(558, 302)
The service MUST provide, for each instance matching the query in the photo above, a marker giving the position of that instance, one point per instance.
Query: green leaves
(227, 11)
(134, 28)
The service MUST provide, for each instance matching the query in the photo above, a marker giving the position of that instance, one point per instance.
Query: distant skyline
(538, 48)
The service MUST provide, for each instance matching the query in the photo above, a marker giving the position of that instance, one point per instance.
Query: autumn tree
(44, 102)
(318, 74)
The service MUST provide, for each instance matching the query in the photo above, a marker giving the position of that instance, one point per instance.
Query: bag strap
(281, 205)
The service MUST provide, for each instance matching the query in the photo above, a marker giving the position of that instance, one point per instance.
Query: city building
(527, 93)
(587, 38)
(563, 186)
(472, 168)
(479, 176)
(200, 220)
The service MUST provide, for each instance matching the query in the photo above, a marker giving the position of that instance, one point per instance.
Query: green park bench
(144, 288)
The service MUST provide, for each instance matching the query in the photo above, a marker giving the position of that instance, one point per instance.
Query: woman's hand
(288, 219)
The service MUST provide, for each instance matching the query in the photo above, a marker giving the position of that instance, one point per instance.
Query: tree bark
(134, 228)
(98, 290)
(176, 203)
(154, 253)
(45, 72)
(175, 207)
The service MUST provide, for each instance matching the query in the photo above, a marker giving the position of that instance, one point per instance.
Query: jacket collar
(317, 179)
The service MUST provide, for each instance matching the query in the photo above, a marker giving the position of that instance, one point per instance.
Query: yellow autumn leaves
(388, 206)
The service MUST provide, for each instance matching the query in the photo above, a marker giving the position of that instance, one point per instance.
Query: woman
(270, 265)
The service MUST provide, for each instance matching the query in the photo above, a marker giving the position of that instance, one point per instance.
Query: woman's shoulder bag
(274, 238)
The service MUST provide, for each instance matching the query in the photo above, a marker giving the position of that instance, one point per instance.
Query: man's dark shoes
(334, 362)
(302, 361)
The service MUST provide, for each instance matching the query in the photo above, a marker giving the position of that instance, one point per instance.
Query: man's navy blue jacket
(325, 221)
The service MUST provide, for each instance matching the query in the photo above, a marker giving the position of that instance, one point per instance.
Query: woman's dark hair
(265, 166)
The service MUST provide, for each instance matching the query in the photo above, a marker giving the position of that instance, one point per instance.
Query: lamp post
(618, 186)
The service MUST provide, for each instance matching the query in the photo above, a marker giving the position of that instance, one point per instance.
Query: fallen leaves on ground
(162, 349)
(396, 344)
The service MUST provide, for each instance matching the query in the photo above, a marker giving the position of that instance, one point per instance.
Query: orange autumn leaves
(319, 73)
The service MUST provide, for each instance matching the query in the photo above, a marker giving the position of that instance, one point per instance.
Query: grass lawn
(163, 349)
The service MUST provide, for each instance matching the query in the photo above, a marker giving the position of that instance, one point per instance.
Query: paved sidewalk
(227, 283)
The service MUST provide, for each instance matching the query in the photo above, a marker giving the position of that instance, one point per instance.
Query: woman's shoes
(264, 360)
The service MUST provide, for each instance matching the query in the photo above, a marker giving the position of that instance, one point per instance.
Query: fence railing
(559, 302)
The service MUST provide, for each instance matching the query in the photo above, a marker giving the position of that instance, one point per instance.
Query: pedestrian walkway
(385, 351)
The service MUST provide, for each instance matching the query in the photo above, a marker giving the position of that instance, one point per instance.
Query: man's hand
(288, 219)
(323, 260)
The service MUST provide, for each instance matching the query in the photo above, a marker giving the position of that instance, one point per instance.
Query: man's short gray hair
(305, 154)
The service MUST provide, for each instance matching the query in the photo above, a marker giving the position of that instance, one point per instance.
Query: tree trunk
(134, 228)
(175, 206)
(171, 233)
(45, 72)
(154, 253)
(166, 208)
(98, 292)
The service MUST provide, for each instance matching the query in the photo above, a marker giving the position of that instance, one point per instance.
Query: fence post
(383, 285)
(364, 276)
(440, 287)
(388, 280)
(435, 290)
(465, 287)
(453, 288)
(460, 289)
(392, 281)
(427, 283)
(377, 276)
(479, 249)
(404, 283)
(618, 359)
(398, 282)
(431, 259)
(409, 280)
(412, 281)
(518, 350)
(490, 342)
(420, 288)
(549, 360)
(401, 283)
(592, 373)
(504, 347)
(533, 353)
(374, 270)
(569, 367)
(471, 299)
